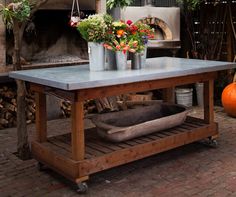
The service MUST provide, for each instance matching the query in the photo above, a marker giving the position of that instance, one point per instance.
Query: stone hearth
(51, 36)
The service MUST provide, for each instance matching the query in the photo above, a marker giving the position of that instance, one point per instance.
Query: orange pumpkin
(229, 99)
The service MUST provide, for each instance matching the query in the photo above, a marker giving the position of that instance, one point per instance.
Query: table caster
(213, 143)
(82, 188)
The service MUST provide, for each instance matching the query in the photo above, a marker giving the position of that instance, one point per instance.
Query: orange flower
(120, 32)
(126, 48)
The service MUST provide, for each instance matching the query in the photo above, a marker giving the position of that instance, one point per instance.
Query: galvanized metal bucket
(136, 61)
(110, 60)
(144, 57)
(96, 53)
(184, 96)
(121, 60)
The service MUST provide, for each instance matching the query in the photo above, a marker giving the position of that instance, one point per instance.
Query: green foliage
(18, 10)
(95, 27)
(118, 3)
(190, 5)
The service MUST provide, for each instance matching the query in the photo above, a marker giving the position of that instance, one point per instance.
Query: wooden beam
(169, 95)
(209, 101)
(77, 134)
(41, 117)
(142, 86)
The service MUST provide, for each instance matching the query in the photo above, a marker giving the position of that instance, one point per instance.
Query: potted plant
(128, 36)
(118, 3)
(119, 39)
(141, 32)
(94, 30)
(114, 7)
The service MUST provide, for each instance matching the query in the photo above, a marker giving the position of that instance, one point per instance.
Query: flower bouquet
(143, 32)
(127, 36)
(93, 29)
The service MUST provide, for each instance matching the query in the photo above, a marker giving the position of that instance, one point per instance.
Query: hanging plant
(118, 3)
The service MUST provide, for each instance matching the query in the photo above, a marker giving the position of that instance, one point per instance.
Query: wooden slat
(161, 134)
(93, 150)
(57, 148)
(100, 147)
(139, 140)
(191, 125)
(185, 126)
(63, 142)
(123, 145)
(131, 142)
(154, 137)
(108, 145)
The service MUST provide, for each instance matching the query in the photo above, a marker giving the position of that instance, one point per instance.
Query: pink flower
(118, 47)
(129, 22)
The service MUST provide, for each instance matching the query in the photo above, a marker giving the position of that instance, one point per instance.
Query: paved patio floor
(194, 170)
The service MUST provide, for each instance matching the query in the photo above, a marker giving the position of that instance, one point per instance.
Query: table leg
(209, 101)
(169, 95)
(41, 117)
(77, 134)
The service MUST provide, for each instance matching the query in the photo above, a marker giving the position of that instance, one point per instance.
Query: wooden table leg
(209, 104)
(77, 134)
(169, 95)
(209, 101)
(41, 117)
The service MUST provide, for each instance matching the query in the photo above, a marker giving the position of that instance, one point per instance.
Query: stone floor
(194, 170)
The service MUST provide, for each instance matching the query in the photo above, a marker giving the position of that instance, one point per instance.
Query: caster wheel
(213, 143)
(82, 188)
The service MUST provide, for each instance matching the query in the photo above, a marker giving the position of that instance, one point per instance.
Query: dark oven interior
(49, 38)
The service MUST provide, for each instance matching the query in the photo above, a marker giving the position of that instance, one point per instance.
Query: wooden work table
(80, 153)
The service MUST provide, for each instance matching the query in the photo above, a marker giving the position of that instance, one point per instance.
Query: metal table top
(79, 77)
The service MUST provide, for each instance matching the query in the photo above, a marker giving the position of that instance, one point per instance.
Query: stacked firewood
(8, 107)
(107, 104)
(89, 107)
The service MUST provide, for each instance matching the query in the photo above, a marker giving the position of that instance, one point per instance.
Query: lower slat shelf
(95, 146)
(101, 155)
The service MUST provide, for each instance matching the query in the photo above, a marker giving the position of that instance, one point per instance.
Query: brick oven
(48, 38)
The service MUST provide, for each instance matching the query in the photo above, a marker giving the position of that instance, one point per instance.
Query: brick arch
(161, 24)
